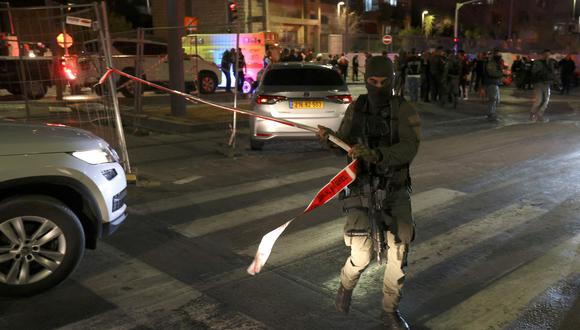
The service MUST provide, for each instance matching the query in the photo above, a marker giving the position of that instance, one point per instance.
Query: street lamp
(425, 12)
(338, 8)
(457, 7)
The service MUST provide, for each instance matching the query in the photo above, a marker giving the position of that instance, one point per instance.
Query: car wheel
(247, 86)
(35, 90)
(41, 243)
(207, 83)
(256, 145)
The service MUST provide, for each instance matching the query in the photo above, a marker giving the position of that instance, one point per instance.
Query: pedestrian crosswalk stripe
(513, 292)
(146, 296)
(303, 243)
(317, 238)
(433, 198)
(463, 237)
(450, 244)
(188, 179)
(222, 221)
(229, 191)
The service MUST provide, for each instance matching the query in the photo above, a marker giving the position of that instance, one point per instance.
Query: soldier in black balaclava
(384, 131)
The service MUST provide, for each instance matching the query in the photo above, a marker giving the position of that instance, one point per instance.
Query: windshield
(302, 76)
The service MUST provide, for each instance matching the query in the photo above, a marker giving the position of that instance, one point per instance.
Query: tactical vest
(370, 130)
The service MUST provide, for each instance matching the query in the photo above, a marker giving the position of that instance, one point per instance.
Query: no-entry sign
(387, 39)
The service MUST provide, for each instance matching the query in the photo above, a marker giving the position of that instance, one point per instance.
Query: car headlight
(97, 156)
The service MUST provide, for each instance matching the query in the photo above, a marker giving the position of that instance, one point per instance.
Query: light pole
(425, 12)
(338, 8)
(456, 26)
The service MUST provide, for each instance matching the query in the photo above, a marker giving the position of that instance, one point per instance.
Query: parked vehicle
(155, 66)
(61, 189)
(307, 93)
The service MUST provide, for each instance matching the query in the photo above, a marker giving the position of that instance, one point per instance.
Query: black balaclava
(379, 66)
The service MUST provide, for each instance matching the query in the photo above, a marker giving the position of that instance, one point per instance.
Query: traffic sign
(387, 39)
(64, 40)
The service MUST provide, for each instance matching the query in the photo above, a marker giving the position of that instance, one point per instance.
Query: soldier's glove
(362, 152)
(323, 133)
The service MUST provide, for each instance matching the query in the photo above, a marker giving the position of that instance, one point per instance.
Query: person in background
(464, 77)
(425, 83)
(355, 67)
(492, 77)
(241, 69)
(543, 77)
(413, 76)
(518, 72)
(343, 66)
(567, 68)
(226, 66)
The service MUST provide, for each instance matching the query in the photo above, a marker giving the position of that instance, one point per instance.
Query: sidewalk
(157, 117)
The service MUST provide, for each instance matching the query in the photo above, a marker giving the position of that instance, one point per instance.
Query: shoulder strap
(395, 106)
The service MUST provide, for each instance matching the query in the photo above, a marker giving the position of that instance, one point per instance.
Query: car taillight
(345, 99)
(269, 99)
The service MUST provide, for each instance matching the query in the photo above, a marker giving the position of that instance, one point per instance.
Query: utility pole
(510, 19)
(175, 19)
(458, 6)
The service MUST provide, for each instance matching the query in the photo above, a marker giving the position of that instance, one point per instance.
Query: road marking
(317, 238)
(512, 293)
(303, 243)
(188, 179)
(432, 198)
(222, 221)
(230, 191)
(146, 296)
(452, 243)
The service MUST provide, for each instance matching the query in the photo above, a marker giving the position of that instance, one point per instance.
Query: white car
(306, 93)
(61, 189)
(155, 66)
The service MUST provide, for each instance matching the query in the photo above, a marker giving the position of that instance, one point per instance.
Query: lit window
(368, 5)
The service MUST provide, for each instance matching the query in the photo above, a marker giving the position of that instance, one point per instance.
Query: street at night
(289, 165)
(496, 207)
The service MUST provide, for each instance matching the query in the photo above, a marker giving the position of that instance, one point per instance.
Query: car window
(154, 49)
(126, 47)
(302, 76)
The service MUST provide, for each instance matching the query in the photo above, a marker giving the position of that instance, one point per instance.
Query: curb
(174, 125)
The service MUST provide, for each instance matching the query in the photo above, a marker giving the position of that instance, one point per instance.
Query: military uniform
(394, 133)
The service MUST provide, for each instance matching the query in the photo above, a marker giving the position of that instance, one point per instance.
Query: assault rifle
(374, 195)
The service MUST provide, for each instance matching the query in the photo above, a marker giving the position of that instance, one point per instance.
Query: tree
(429, 22)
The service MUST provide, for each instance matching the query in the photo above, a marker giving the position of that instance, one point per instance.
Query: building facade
(298, 23)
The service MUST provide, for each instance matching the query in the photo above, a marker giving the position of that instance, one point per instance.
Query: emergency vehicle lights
(269, 99)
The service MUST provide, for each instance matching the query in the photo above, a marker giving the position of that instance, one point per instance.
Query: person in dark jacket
(492, 77)
(567, 69)
(226, 67)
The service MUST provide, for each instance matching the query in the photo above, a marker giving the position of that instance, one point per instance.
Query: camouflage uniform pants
(361, 253)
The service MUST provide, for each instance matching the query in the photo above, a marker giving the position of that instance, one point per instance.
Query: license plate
(306, 104)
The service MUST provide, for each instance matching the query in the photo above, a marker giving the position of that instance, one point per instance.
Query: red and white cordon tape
(340, 181)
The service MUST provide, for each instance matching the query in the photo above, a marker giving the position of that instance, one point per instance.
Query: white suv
(155, 66)
(61, 189)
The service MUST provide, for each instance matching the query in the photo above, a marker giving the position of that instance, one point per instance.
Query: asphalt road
(498, 234)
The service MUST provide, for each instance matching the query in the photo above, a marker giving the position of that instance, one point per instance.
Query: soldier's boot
(343, 298)
(394, 321)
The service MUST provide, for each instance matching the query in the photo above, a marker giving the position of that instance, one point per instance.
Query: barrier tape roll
(340, 181)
